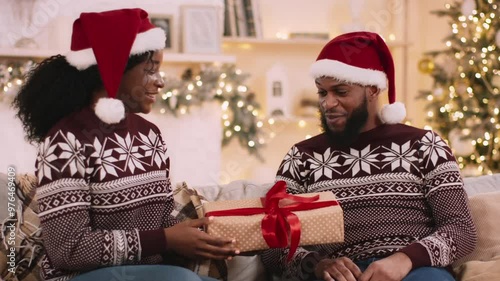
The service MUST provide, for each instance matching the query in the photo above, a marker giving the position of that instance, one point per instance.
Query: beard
(352, 127)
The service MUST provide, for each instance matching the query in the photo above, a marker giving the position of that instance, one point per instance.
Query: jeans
(419, 274)
(141, 273)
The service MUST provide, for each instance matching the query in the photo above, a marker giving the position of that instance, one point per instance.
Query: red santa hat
(361, 58)
(108, 39)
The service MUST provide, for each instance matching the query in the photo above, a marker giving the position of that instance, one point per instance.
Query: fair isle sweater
(104, 194)
(400, 189)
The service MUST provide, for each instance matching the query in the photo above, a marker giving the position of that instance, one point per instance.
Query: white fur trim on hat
(109, 110)
(393, 113)
(153, 39)
(348, 73)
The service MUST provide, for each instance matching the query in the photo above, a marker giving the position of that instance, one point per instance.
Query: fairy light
(162, 111)
(199, 83)
(242, 89)
(227, 123)
(189, 97)
(260, 124)
(228, 134)
(229, 88)
(302, 123)
(240, 104)
(270, 121)
(237, 128)
(251, 143)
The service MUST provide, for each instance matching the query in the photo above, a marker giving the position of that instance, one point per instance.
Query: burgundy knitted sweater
(104, 194)
(400, 189)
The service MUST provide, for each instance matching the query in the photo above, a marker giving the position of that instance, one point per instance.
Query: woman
(104, 194)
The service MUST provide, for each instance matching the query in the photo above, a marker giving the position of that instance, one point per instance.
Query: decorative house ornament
(277, 91)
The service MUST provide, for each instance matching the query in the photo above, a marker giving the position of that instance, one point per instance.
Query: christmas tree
(464, 104)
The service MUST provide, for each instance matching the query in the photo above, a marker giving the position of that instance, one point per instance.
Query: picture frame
(167, 23)
(201, 29)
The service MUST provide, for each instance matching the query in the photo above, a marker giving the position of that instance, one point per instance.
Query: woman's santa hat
(108, 39)
(361, 58)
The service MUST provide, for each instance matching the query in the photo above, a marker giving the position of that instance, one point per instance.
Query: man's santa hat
(361, 58)
(108, 39)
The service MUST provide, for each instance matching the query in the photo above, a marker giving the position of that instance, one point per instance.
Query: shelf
(291, 42)
(27, 53)
(240, 40)
(167, 57)
(197, 58)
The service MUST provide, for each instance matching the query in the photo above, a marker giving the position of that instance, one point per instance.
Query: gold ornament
(426, 65)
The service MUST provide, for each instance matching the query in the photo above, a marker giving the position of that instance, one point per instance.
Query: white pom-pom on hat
(109, 110)
(393, 113)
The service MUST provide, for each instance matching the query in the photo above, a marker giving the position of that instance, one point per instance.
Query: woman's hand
(187, 239)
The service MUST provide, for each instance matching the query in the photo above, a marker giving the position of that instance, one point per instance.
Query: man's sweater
(400, 189)
(104, 194)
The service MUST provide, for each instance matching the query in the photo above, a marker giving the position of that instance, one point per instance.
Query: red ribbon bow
(279, 222)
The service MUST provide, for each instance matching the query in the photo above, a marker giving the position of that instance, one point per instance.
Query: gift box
(279, 220)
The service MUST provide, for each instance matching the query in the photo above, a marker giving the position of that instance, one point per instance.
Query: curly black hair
(54, 89)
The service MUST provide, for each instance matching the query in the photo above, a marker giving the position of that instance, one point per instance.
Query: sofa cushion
(485, 209)
(482, 184)
(187, 205)
(480, 270)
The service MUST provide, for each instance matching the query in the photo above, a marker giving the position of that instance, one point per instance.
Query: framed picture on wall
(201, 30)
(166, 22)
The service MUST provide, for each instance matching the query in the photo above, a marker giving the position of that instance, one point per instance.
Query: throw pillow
(485, 211)
(188, 206)
(28, 242)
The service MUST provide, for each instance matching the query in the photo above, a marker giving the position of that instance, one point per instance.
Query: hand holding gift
(279, 220)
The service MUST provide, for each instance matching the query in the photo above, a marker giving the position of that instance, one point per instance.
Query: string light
(471, 105)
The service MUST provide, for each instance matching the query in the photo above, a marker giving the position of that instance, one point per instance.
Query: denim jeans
(419, 274)
(141, 273)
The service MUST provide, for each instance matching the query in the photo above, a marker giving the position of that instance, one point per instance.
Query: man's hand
(392, 268)
(341, 269)
(186, 239)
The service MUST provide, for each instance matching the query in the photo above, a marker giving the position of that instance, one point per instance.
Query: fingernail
(237, 252)
(233, 241)
(210, 218)
(229, 258)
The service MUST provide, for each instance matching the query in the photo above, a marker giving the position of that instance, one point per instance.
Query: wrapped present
(279, 220)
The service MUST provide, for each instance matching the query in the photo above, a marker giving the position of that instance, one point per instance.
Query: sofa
(482, 264)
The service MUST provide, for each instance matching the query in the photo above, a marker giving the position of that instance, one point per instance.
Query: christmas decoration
(240, 116)
(426, 66)
(468, 111)
(468, 7)
(11, 78)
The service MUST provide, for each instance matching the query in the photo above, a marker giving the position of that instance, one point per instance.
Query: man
(405, 210)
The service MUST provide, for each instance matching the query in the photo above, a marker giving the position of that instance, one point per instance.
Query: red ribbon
(279, 222)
